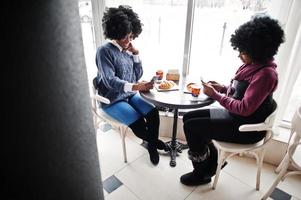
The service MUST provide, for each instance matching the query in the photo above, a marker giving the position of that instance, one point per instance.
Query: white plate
(175, 87)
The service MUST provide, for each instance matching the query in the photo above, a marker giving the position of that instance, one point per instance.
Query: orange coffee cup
(159, 73)
(195, 90)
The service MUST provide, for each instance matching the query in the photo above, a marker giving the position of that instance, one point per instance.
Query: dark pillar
(49, 144)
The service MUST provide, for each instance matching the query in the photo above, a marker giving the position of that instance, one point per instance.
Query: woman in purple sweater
(248, 99)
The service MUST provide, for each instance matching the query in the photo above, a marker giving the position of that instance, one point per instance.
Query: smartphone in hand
(202, 80)
(154, 79)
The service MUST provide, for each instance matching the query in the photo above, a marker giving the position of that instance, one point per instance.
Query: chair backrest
(296, 122)
(264, 126)
(94, 83)
(296, 132)
(96, 97)
(98, 112)
(267, 126)
(269, 121)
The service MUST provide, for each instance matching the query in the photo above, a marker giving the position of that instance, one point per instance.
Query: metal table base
(174, 146)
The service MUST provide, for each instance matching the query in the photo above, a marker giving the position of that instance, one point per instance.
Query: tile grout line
(260, 191)
(132, 192)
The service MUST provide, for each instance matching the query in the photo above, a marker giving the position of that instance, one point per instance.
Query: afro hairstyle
(259, 38)
(118, 22)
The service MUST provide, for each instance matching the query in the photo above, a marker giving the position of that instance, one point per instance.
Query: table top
(176, 99)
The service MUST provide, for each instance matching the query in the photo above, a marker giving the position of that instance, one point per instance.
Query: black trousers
(201, 126)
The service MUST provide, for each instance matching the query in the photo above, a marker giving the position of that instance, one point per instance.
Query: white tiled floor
(144, 181)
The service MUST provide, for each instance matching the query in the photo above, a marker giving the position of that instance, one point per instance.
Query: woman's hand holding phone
(154, 79)
(208, 89)
(218, 87)
(143, 86)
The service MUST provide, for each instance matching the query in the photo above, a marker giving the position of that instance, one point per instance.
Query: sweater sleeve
(261, 85)
(138, 70)
(107, 70)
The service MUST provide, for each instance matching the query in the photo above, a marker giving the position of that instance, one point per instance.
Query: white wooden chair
(227, 149)
(100, 116)
(288, 159)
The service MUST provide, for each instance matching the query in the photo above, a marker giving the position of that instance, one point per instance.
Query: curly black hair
(118, 22)
(259, 38)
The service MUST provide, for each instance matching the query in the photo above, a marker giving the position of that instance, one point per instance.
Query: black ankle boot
(211, 167)
(194, 178)
(199, 162)
(153, 154)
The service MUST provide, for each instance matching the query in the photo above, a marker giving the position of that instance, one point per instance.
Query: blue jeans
(130, 110)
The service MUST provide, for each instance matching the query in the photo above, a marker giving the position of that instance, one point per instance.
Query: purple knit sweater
(261, 84)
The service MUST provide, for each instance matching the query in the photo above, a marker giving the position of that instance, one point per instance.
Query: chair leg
(95, 122)
(123, 135)
(283, 163)
(291, 174)
(286, 157)
(259, 160)
(124, 150)
(221, 158)
(279, 177)
(280, 166)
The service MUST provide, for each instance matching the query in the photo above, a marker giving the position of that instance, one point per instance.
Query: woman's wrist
(223, 89)
(135, 87)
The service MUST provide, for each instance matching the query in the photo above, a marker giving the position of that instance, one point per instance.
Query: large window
(294, 100)
(212, 56)
(162, 39)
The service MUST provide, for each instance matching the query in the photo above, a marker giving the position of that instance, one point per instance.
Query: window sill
(281, 134)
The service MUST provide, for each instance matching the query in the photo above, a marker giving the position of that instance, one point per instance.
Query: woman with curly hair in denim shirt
(119, 71)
